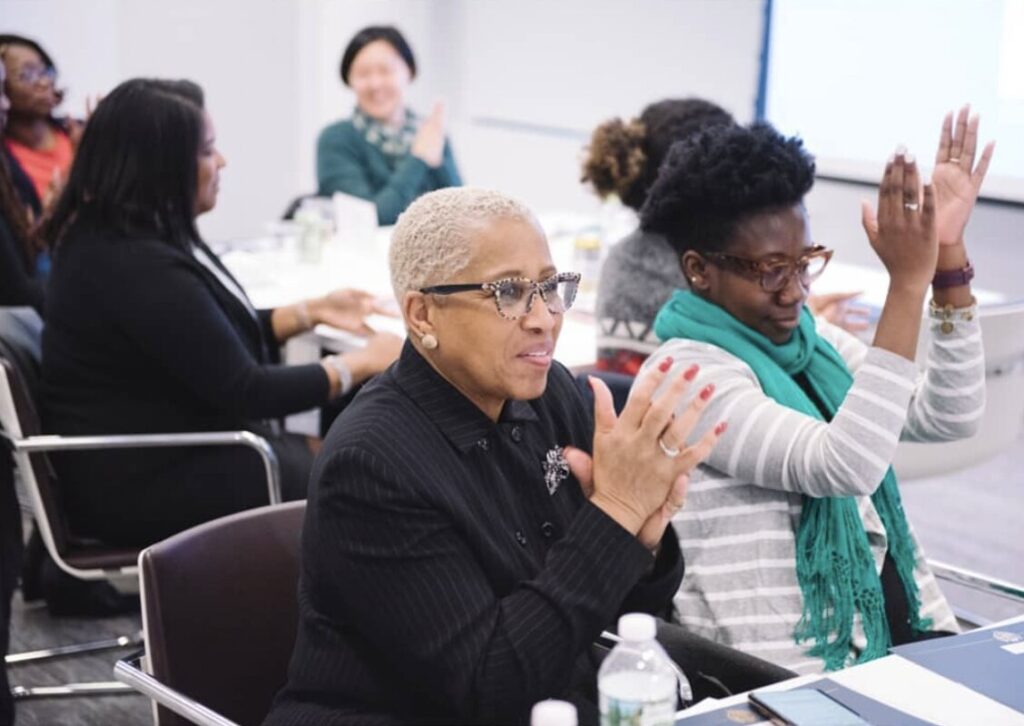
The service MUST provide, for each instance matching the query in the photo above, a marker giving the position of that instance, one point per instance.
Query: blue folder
(872, 711)
(990, 662)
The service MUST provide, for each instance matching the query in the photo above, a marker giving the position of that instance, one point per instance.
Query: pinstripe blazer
(451, 571)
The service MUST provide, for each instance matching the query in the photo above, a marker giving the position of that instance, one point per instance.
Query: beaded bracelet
(947, 314)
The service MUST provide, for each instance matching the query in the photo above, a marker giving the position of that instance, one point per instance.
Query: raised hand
(903, 232)
(957, 179)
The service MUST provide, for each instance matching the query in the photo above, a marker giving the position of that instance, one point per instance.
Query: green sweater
(346, 162)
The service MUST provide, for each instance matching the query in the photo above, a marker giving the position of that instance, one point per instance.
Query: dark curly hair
(623, 157)
(709, 184)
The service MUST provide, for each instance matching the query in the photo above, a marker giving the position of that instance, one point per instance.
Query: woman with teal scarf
(385, 153)
(798, 549)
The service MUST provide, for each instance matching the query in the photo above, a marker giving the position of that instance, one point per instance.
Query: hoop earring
(429, 341)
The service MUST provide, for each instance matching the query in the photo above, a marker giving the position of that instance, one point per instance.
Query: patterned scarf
(834, 564)
(392, 141)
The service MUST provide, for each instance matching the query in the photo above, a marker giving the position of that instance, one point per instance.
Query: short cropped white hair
(432, 240)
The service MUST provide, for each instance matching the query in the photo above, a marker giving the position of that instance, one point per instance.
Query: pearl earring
(429, 341)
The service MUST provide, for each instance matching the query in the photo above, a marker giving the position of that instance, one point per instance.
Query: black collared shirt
(453, 571)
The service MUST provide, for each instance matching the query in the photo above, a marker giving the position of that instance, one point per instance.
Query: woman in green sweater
(384, 153)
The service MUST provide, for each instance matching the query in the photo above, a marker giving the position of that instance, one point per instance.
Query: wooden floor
(971, 519)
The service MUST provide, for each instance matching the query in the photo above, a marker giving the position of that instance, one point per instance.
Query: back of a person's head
(135, 168)
(623, 157)
(370, 34)
(712, 182)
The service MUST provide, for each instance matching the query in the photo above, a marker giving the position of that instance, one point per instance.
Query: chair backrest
(19, 418)
(1002, 331)
(220, 610)
(618, 383)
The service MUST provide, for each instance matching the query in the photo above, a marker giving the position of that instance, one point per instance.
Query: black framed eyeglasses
(513, 296)
(775, 274)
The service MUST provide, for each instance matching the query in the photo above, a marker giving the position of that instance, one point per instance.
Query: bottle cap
(553, 713)
(634, 627)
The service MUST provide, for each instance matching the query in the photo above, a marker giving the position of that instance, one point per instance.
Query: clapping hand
(641, 464)
(903, 233)
(957, 178)
(429, 142)
(75, 127)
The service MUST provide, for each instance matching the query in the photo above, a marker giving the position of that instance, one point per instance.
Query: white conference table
(904, 685)
(272, 274)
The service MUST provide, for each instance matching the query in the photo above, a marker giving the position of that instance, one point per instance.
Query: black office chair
(20, 434)
(618, 383)
(219, 627)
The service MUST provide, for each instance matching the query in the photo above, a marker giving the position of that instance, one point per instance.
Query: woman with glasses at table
(462, 575)
(39, 146)
(148, 332)
(798, 549)
(385, 152)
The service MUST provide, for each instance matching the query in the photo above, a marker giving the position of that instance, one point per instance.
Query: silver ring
(671, 452)
(953, 160)
(912, 206)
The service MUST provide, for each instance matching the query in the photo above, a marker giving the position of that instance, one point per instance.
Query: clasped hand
(631, 476)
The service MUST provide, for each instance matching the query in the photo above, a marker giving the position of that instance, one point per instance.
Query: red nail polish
(691, 372)
(720, 428)
(665, 364)
(706, 392)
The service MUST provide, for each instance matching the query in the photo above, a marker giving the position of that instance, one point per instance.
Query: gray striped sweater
(739, 524)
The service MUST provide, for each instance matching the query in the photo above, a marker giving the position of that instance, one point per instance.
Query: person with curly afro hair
(797, 546)
(642, 270)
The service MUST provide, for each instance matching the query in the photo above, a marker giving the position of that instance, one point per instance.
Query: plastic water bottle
(553, 713)
(637, 683)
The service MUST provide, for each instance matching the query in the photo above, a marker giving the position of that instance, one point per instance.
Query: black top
(18, 286)
(22, 183)
(141, 338)
(450, 573)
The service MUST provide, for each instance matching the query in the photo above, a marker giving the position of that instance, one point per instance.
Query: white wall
(525, 82)
(538, 76)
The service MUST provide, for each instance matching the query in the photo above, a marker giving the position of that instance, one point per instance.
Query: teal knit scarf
(834, 564)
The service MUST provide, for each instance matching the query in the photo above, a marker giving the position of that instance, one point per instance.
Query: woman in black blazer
(148, 332)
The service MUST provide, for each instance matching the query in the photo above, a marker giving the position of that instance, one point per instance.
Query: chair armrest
(129, 672)
(977, 581)
(40, 444)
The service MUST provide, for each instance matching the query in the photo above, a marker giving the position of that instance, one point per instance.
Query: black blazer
(22, 184)
(451, 573)
(18, 285)
(141, 338)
